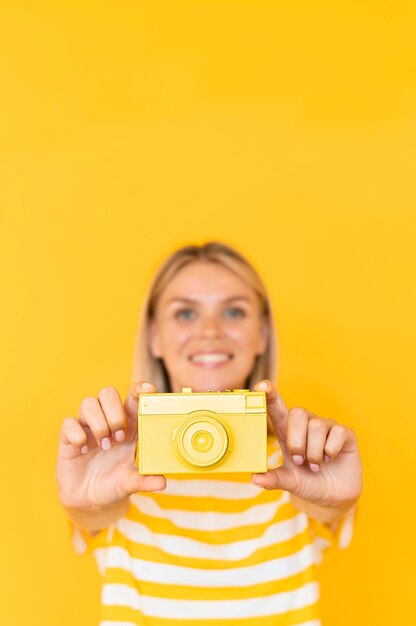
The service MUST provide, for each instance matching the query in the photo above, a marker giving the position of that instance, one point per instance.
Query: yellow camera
(181, 433)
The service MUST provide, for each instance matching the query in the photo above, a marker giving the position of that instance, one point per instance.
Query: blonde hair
(146, 367)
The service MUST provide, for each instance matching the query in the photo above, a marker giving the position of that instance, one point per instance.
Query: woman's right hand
(96, 467)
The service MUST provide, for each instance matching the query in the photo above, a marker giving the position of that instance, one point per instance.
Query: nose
(210, 327)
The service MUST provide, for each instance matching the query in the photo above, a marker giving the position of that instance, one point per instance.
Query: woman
(208, 548)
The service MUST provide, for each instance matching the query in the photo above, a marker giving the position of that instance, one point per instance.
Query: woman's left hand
(321, 461)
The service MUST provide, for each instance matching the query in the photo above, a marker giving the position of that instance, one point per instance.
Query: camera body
(215, 432)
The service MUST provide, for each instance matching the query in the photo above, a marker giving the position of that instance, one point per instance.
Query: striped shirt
(212, 549)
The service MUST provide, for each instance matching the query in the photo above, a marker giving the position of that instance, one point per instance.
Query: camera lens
(202, 440)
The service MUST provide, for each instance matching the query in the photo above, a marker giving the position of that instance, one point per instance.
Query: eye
(185, 314)
(234, 312)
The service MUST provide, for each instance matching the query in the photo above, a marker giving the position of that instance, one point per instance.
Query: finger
(318, 429)
(297, 434)
(276, 408)
(91, 415)
(135, 482)
(73, 434)
(279, 478)
(113, 410)
(337, 439)
(131, 404)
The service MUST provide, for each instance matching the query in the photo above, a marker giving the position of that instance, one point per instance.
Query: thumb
(131, 404)
(134, 482)
(279, 478)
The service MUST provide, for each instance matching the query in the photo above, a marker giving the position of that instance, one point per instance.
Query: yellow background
(287, 129)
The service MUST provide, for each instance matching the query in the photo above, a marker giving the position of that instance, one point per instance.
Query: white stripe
(185, 547)
(161, 573)
(78, 541)
(123, 595)
(107, 623)
(210, 520)
(320, 544)
(347, 528)
(315, 622)
(274, 459)
(220, 489)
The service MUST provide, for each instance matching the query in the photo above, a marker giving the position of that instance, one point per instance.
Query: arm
(321, 466)
(96, 468)
(325, 515)
(94, 521)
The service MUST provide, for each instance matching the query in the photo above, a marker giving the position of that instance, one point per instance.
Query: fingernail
(297, 459)
(105, 443)
(256, 481)
(84, 449)
(314, 467)
(326, 458)
(119, 435)
(263, 385)
(145, 386)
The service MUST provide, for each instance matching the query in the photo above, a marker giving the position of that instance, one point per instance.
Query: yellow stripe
(240, 477)
(91, 542)
(189, 503)
(167, 527)
(150, 553)
(181, 592)
(323, 531)
(292, 618)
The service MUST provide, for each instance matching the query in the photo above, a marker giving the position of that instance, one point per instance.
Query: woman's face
(208, 329)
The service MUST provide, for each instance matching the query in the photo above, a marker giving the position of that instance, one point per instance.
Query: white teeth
(210, 358)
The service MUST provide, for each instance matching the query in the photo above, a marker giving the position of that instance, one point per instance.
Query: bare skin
(321, 462)
(208, 341)
(96, 473)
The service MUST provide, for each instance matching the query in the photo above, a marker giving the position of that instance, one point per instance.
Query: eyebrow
(190, 301)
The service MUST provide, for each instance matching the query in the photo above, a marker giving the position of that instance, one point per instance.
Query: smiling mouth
(210, 360)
